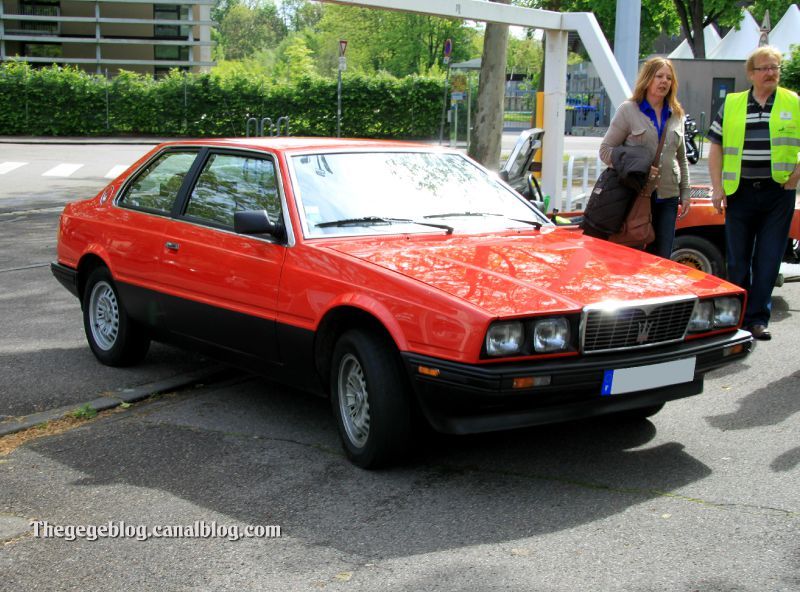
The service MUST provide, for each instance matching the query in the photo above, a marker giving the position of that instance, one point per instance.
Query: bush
(65, 101)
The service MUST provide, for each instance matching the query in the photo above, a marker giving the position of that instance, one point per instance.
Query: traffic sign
(342, 64)
(342, 47)
(448, 47)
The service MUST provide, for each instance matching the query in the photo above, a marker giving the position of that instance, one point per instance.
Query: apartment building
(104, 36)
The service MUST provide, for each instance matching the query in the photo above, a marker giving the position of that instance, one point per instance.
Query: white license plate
(640, 378)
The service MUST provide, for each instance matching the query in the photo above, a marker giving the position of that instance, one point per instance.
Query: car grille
(640, 325)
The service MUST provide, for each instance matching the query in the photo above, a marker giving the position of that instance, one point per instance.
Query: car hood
(547, 271)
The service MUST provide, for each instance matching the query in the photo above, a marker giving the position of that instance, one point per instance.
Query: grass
(84, 412)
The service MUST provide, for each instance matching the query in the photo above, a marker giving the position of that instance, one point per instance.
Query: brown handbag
(637, 229)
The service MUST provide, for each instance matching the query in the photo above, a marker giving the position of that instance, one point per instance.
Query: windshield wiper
(374, 220)
(461, 214)
(537, 225)
(533, 223)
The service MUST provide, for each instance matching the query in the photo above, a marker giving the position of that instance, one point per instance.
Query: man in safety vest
(753, 162)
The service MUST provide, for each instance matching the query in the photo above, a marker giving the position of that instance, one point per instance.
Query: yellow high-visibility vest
(784, 135)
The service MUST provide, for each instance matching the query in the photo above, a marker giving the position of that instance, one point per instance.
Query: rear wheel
(369, 399)
(699, 253)
(114, 338)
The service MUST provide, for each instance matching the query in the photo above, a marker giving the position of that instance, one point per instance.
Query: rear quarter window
(156, 187)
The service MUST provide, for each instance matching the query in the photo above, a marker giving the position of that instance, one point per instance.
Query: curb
(127, 395)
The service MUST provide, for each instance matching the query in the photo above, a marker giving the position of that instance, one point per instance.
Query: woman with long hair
(652, 112)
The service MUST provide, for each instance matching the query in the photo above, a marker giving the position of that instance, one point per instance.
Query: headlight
(715, 314)
(727, 311)
(702, 316)
(551, 335)
(505, 339)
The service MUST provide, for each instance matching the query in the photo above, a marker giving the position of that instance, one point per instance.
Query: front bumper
(466, 398)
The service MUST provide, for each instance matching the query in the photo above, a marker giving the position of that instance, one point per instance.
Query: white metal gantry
(556, 26)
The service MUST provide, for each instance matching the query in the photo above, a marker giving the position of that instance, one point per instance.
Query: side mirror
(256, 222)
(503, 175)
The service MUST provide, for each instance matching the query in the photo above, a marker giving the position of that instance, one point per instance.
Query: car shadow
(266, 455)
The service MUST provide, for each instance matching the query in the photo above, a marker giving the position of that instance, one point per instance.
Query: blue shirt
(648, 110)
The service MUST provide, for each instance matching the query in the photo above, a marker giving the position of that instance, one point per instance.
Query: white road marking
(116, 171)
(7, 167)
(62, 170)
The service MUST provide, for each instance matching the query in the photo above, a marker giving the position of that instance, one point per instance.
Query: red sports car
(401, 280)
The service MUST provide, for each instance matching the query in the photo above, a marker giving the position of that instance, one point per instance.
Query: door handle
(172, 246)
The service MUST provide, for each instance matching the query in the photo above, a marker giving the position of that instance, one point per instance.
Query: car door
(223, 285)
(134, 235)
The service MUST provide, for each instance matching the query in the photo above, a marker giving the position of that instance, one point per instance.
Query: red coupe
(403, 281)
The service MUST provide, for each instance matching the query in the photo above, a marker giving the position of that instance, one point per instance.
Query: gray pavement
(609, 506)
(702, 497)
(44, 360)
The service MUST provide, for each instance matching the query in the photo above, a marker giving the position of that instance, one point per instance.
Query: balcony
(33, 20)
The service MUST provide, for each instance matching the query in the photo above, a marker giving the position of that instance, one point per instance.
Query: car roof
(303, 144)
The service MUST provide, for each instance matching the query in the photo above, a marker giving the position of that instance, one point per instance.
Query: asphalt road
(702, 497)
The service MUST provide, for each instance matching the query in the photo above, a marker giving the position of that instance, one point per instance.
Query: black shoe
(760, 332)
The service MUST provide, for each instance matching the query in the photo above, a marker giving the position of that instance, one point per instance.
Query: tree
(396, 42)
(485, 144)
(294, 59)
(244, 30)
(658, 16)
(298, 15)
(790, 77)
(525, 56)
(695, 15)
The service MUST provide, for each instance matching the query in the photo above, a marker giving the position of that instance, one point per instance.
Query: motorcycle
(690, 131)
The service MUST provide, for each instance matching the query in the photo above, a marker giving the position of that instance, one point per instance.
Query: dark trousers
(665, 213)
(757, 224)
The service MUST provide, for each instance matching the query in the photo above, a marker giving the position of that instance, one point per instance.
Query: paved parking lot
(701, 497)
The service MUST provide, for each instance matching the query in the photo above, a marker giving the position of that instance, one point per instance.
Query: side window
(231, 183)
(156, 187)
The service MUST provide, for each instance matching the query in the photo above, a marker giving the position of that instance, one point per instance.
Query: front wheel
(369, 399)
(699, 253)
(113, 337)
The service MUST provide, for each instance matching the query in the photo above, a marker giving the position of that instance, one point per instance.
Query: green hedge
(58, 101)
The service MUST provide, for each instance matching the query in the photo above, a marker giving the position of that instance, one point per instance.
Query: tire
(113, 337)
(698, 253)
(370, 400)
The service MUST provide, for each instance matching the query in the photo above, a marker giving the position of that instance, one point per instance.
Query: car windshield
(393, 192)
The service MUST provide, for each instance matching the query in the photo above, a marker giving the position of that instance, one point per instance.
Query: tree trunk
(488, 123)
(690, 13)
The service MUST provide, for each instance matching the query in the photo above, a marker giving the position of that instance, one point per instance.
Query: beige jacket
(633, 128)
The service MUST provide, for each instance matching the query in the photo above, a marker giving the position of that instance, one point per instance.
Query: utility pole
(342, 68)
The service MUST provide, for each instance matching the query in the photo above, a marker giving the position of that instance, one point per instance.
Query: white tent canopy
(684, 52)
(737, 45)
(787, 32)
